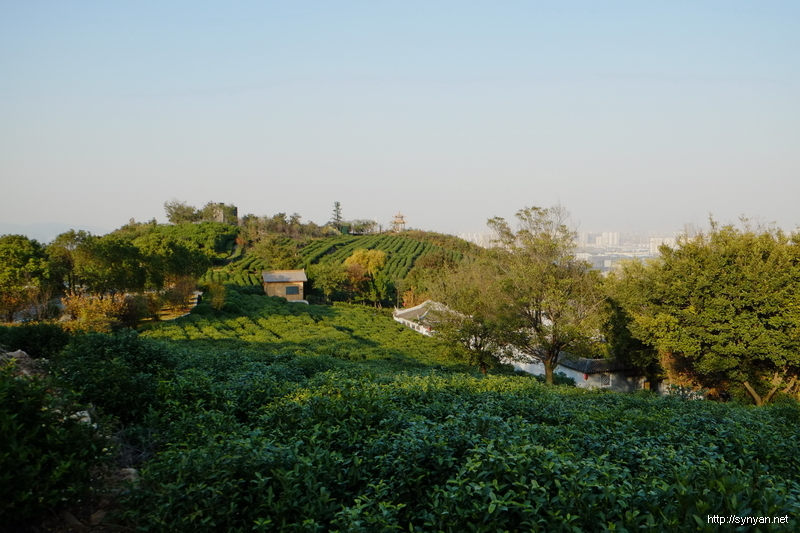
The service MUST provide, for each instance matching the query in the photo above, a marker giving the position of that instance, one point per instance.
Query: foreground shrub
(118, 373)
(48, 447)
(346, 450)
(39, 340)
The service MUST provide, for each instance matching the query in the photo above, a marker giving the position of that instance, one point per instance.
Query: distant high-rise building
(484, 240)
(657, 242)
(610, 238)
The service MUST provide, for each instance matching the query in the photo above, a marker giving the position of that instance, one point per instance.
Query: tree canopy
(540, 299)
(553, 301)
(23, 269)
(181, 213)
(472, 324)
(722, 308)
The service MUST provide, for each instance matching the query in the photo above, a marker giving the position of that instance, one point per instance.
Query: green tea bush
(309, 418)
(47, 452)
(39, 339)
(349, 450)
(118, 373)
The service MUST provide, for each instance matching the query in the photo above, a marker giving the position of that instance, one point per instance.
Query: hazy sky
(634, 115)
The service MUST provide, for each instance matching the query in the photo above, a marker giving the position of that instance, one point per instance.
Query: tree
(362, 226)
(417, 285)
(217, 295)
(471, 323)
(371, 260)
(167, 259)
(328, 277)
(550, 302)
(722, 308)
(24, 271)
(364, 269)
(336, 219)
(92, 313)
(626, 290)
(65, 254)
(529, 297)
(110, 264)
(180, 293)
(279, 252)
(181, 213)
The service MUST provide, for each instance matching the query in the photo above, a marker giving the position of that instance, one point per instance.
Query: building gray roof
(595, 366)
(418, 312)
(283, 276)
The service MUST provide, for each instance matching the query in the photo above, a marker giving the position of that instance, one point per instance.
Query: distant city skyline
(634, 116)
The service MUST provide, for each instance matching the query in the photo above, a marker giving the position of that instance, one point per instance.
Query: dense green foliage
(723, 307)
(119, 373)
(46, 452)
(215, 240)
(24, 272)
(83, 267)
(37, 339)
(281, 446)
(272, 416)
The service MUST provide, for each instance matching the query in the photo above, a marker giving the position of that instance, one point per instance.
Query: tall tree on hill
(336, 218)
(181, 213)
(65, 253)
(552, 301)
(543, 300)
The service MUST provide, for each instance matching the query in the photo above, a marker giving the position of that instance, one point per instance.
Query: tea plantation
(269, 416)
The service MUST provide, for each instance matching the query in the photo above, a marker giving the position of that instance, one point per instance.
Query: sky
(635, 116)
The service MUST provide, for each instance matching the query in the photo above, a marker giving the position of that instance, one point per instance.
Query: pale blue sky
(634, 115)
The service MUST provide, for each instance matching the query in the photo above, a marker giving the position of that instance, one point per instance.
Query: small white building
(593, 373)
(416, 317)
(588, 373)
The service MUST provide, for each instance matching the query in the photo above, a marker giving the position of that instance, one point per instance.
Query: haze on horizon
(635, 116)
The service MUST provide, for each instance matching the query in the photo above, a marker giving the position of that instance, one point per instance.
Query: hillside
(402, 253)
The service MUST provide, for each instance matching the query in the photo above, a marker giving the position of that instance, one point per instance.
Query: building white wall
(425, 330)
(656, 242)
(618, 382)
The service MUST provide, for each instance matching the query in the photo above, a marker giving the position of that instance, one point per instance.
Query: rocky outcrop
(23, 363)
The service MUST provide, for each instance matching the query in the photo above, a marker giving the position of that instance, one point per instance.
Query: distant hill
(402, 252)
